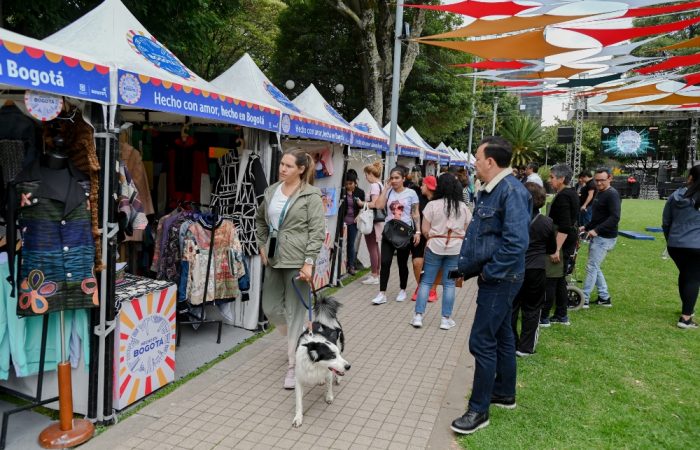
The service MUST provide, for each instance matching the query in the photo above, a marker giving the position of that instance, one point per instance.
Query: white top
(534, 178)
(440, 225)
(399, 205)
(274, 209)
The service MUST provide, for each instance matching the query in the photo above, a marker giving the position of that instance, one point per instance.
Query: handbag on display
(398, 233)
(365, 221)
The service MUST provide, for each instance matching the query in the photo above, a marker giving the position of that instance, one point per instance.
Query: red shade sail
(610, 36)
(654, 11)
(692, 79)
(497, 65)
(477, 10)
(544, 93)
(671, 63)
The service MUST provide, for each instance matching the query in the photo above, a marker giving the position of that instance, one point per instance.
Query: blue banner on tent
(370, 143)
(444, 159)
(430, 156)
(408, 151)
(458, 162)
(31, 68)
(311, 129)
(160, 95)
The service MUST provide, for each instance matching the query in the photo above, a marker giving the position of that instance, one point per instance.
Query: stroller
(574, 293)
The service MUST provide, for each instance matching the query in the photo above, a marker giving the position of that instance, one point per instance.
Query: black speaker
(565, 135)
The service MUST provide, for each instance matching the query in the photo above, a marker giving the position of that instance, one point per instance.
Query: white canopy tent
(430, 154)
(148, 76)
(368, 133)
(338, 130)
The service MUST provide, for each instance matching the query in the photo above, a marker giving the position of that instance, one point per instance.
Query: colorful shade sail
(690, 43)
(500, 26)
(692, 79)
(544, 93)
(610, 36)
(529, 45)
(477, 10)
(657, 10)
(586, 82)
(671, 63)
(498, 65)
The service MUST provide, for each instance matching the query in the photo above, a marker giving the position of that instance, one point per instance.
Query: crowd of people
(490, 227)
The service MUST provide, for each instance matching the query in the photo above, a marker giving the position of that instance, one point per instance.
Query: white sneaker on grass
(371, 280)
(401, 296)
(379, 299)
(417, 321)
(446, 323)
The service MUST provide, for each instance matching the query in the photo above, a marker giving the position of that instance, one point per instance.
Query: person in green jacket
(290, 232)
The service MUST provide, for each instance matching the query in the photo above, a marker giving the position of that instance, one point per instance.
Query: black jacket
(16, 126)
(606, 213)
(358, 194)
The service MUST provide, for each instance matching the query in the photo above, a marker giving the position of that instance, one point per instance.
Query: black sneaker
(560, 320)
(686, 324)
(603, 302)
(503, 402)
(470, 422)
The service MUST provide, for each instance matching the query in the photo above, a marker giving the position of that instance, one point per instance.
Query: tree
(375, 21)
(524, 134)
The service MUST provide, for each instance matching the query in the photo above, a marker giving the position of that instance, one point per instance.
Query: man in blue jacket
(494, 250)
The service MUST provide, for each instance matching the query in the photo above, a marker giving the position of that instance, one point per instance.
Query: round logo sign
(280, 97)
(129, 88)
(43, 106)
(286, 123)
(148, 345)
(629, 142)
(156, 54)
(362, 127)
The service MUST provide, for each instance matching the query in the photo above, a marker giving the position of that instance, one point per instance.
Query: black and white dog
(318, 358)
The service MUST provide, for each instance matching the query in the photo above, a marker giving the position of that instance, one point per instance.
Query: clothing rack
(36, 399)
(202, 320)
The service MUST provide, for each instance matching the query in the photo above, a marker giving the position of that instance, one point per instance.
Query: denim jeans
(351, 238)
(597, 251)
(492, 343)
(432, 264)
(585, 216)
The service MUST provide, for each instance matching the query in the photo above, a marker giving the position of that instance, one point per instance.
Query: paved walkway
(404, 388)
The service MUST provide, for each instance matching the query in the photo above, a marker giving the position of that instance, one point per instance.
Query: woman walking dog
(290, 233)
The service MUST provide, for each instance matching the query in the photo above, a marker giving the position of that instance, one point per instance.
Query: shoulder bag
(365, 221)
(398, 233)
(379, 214)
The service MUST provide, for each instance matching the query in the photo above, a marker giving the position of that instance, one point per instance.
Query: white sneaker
(379, 299)
(417, 321)
(371, 280)
(446, 323)
(585, 305)
(402, 296)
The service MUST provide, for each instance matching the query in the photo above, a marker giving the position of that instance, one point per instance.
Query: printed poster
(329, 196)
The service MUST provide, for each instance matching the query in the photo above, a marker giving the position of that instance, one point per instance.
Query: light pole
(495, 112)
(546, 154)
(391, 156)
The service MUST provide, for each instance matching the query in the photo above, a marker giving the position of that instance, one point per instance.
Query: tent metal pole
(395, 82)
(471, 118)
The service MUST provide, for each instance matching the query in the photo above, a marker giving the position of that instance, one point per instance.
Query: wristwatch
(309, 261)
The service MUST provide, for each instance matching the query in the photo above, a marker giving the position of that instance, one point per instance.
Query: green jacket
(303, 228)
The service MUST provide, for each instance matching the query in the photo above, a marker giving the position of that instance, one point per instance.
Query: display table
(144, 338)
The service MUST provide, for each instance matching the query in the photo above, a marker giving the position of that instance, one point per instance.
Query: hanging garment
(223, 277)
(131, 216)
(238, 193)
(134, 163)
(187, 163)
(17, 126)
(79, 136)
(11, 158)
(57, 269)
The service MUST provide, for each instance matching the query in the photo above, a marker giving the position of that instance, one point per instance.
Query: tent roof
(367, 125)
(150, 76)
(313, 103)
(405, 146)
(81, 76)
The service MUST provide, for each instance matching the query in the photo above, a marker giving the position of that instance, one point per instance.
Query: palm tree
(524, 133)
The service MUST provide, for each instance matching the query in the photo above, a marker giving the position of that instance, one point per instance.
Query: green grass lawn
(620, 377)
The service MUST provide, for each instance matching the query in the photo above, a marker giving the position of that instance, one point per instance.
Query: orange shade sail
(529, 45)
(672, 99)
(690, 43)
(562, 72)
(640, 91)
(507, 25)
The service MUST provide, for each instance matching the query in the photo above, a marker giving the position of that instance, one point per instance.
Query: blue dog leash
(308, 305)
